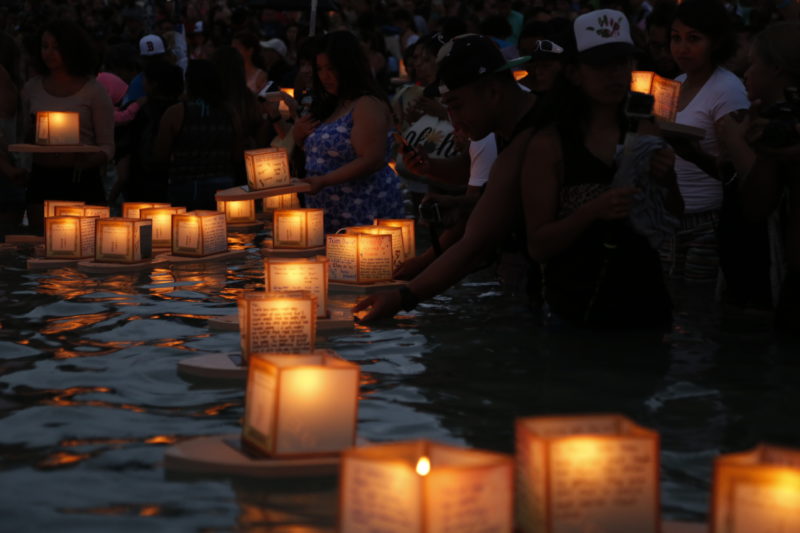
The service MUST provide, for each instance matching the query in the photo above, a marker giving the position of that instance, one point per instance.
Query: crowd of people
(511, 123)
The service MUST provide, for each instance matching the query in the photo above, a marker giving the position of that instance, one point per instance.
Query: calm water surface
(90, 397)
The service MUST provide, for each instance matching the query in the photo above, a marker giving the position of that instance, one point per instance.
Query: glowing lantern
(57, 128)
(199, 233)
(409, 233)
(360, 257)
(281, 201)
(664, 90)
(161, 217)
(757, 490)
(421, 486)
(595, 469)
(50, 206)
(298, 228)
(398, 251)
(277, 322)
(83, 211)
(123, 240)
(300, 404)
(238, 211)
(402, 72)
(69, 237)
(305, 274)
(267, 167)
(283, 107)
(132, 209)
(520, 74)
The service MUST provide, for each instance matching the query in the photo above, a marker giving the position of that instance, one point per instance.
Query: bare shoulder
(544, 142)
(369, 105)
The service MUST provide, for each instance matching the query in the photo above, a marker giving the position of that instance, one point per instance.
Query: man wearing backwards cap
(479, 91)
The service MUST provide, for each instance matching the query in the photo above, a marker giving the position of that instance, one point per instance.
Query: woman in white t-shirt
(702, 39)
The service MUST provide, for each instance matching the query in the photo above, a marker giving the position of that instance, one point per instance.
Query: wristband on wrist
(408, 300)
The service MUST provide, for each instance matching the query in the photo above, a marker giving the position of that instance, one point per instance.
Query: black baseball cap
(465, 59)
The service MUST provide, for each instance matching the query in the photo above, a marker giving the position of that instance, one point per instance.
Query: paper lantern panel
(83, 211)
(54, 128)
(409, 233)
(757, 490)
(298, 228)
(664, 90)
(420, 486)
(69, 237)
(277, 322)
(50, 206)
(199, 233)
(303, 274)
(238, 211)
(123, 240)
(593, 469)
(300, 405)
(398, 251)
(133, 209)
(161, 218)
(360, 258)
(281, 201)
(267, 168)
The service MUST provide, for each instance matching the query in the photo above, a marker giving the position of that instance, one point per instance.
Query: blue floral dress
(358, 201)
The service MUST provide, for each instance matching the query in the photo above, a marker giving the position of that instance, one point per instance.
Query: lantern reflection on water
(422, 486)
(57, 128)
(300, 404)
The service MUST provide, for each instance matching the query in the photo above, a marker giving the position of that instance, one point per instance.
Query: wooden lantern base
(90, 266)
(245, 227)
(243, 192)
(268, 251)
(177, 259)
(54, 148)
(223, 455)
(365, 288)
(23, 240)
(220, 366)
(43, 263)
(336, 319)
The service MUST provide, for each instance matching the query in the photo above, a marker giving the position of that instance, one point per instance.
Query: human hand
(378, 305)
(614, 204)
(317, 183)
(417, 161)
(409, 268)
(291, 103)
(303, 127)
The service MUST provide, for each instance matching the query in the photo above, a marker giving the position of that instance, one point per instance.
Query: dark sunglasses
(548, 47)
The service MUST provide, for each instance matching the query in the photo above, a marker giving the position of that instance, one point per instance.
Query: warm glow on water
(423, 466)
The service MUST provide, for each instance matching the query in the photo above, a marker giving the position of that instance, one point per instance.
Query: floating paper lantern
(123, 240)
(300, 404)
(100, 211)
(298, 228)
(420, 486)
(302, 274)
(57, 128)
(359, 258)
(50, 206)
(69, 237)
(238, 211)
(266, 168)
(578, 470)
(757, 490)
(281, 201)
(665, 92)
(132, 209)
(161, 217)
(277, 322)
(199, 233)
(409, 233)
(398, 250)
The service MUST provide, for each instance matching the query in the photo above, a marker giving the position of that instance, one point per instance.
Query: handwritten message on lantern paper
(63, 237)
(260, 404)
(87, 229)
(605, 484)
(280, 326)
(316, 232)
(290, 229)
(765, 508)
(383, 497)
(299, 277)
(375, 259)
(215, 234)
(115, 240)
(341, 251)
(269, 169)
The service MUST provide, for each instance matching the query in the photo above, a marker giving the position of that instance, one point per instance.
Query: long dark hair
(77, 51)
(230, 65)
(352, 69)
(711, 19)
(204, 82)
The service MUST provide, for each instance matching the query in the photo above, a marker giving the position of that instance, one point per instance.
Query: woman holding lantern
(67, 65)
(346, 139)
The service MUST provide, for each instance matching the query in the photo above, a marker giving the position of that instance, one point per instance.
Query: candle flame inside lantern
(423, 466)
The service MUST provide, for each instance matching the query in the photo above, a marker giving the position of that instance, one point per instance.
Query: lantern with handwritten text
(123, 240)
(665, 92)
(573, 471)
(302, 274)
(161, 217)
(398, 251)
(298, 228)
(277, 322)
(281, 201)
(409, 233)
(57, 128)
(199, 233)
(267, 168)
(51, 205)
(299, 405)
(69, 237)
(425, 487)
(359, 258)
(757, 490)
(83, 211)
(133, 209)
(238, 211)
